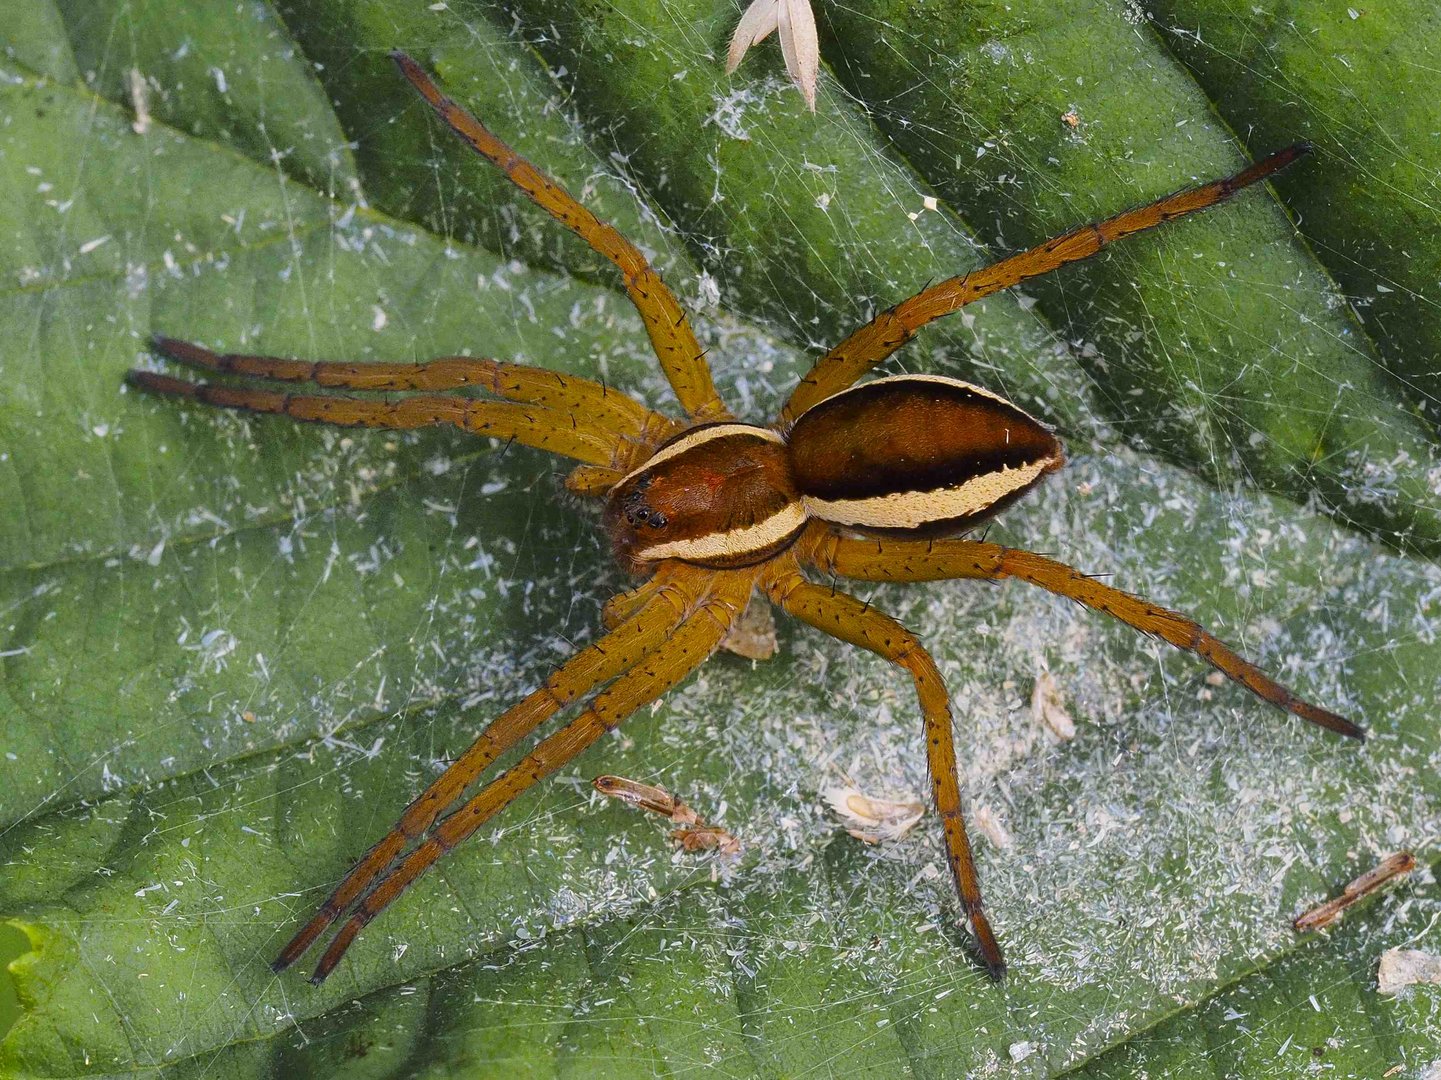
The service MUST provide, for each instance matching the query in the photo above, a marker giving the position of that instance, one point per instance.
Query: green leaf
(234, 648)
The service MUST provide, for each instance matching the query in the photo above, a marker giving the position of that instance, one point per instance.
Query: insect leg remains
(680, 355)
(663, 668)
(892, 328)
(922, 560)
(600, 662)
(845, 617)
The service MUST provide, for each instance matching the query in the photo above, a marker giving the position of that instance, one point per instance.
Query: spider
(870, 481)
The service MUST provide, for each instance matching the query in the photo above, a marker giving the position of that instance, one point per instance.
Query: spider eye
(656, 520)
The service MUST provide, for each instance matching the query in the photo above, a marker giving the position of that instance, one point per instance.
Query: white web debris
(139, 101)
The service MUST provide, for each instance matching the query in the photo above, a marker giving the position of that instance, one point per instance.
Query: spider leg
(596, 479)
(895, 326)
(627, 645)
(680, 355)
(921, 560)
(513, 382)
(845, 617)
(570, 433)
(623, 605)
(667, 665)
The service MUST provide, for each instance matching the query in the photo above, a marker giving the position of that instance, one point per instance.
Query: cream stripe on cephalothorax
(689, 440)
(733, 543)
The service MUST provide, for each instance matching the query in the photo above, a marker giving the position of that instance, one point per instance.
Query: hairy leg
(680, 355)
(847, 618)
(514, 382)
(895, 326)
(668, 664)
(597, 480)
(623, 605)
(602, 661)
(935, 560)
(571, 434)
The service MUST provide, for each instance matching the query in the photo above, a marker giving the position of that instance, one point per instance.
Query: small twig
(1402, 862)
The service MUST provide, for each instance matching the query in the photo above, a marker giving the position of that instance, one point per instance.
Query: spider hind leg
(628, 643)
(938, 560)
(719, 602)
(850, 620)
(892, 328)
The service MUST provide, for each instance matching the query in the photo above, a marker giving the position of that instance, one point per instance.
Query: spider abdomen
(917, 454)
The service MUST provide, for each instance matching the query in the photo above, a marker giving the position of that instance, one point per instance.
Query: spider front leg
(668, 602)
(935, 560)
(530, 425)
(721, 599)
(847, 618)
(575, 394)
(680, 355)
(895, 326)
(564, 414)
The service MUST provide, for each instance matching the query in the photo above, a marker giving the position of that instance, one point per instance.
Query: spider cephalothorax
(711, 511)
(718, 496)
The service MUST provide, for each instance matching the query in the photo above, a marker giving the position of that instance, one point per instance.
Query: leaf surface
(234, 648)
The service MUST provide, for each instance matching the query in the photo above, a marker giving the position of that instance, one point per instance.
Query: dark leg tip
(318, 978)
(986, 945)
(1330, 721)
(279, 964)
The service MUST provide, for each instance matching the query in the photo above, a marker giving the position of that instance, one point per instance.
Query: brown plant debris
(1397, 865)
(693, 834)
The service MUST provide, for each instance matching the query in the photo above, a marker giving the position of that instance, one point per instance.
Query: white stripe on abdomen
(913, 509)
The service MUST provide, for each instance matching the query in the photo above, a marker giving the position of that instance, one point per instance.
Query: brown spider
(712, 509)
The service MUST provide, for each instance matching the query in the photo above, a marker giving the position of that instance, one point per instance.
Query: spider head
(720, 495)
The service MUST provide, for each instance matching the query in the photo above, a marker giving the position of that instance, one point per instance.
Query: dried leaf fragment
(694, 835)
(139, 100)
(872, 820)
(1048, 707)
(1402, 862)
(757, 24)
(753, 635)
(1400, 968)
(800, 44)
(706, 838)
(992, 828)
